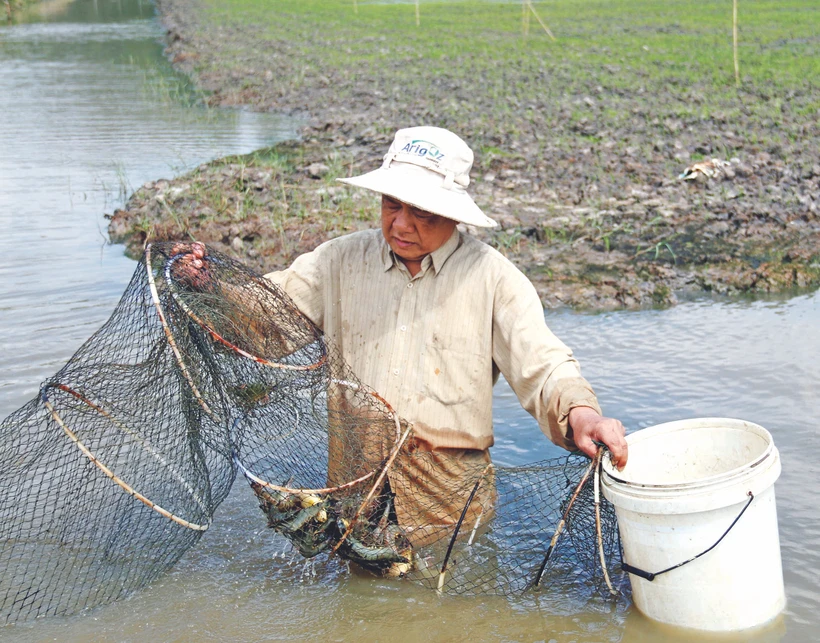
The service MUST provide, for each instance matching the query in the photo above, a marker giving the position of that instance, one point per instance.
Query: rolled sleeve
(566, 394)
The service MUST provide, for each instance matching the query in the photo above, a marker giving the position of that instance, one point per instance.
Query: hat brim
(424, 190)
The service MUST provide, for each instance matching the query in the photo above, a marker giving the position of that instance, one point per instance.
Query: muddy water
(91, 110)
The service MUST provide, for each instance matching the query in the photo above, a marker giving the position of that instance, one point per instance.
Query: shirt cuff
(567, 394)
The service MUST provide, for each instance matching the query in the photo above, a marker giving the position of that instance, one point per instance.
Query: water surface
(91, 110)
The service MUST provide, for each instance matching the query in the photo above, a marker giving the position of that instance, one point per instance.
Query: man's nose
(404, 220)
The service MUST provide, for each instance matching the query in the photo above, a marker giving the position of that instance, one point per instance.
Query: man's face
(412, 233)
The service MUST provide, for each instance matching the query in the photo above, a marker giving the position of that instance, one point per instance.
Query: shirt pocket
(452, 369)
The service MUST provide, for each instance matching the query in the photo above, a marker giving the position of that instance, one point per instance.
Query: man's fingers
(616, 445)
(192, 268)
(614, 438)
(198, 250)
(619, 450)
(589, 428)
(590, 432)
(586, 446)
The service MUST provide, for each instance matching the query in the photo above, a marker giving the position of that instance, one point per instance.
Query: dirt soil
(591, 209)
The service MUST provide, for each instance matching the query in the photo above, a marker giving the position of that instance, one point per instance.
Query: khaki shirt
(432, 345)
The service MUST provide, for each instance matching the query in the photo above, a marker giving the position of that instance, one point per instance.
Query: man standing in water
(429, 316)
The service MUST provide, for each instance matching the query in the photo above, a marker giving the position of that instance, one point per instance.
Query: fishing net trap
(116, 468)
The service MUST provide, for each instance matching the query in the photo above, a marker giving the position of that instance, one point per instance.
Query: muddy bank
(578, 162)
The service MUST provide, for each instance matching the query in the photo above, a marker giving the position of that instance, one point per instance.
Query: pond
(93, 110)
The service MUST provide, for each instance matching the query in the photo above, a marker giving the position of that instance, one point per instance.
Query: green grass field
(662, 41)
(470, 66)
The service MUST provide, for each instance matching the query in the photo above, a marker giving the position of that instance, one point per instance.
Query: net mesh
(117, 467)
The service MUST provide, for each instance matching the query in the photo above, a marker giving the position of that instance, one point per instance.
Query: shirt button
(410, 285)
(396, 372)
(404, 328)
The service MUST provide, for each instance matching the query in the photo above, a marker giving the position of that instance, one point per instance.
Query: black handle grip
(650, 576)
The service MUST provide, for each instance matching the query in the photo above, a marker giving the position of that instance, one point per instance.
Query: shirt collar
(441, 255)
(438, 257)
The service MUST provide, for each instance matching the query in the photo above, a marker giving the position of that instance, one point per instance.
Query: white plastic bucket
(683, 486)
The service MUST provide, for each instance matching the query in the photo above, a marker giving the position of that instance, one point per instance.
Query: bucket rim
(690, 424)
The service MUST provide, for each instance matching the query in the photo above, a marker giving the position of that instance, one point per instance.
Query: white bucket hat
(429, 168)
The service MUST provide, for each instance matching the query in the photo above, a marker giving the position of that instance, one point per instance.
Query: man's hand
(191, 268)
(588, 427)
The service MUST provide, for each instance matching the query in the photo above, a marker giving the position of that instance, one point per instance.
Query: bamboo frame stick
(475, 527)
(114, 477)
(375, 486)
(734, 42)
(418, 16)
(170, 336)
(458, 527)
(597, 486)
(541, 22)
(562, 522)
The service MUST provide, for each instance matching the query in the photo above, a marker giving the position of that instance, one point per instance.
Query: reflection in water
(92, 110)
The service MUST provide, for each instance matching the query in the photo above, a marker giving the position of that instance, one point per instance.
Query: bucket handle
(650, 576)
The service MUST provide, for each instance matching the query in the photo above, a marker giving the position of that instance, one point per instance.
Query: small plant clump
(266, 207)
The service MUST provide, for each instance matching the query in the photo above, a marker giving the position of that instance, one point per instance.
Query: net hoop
(391, 413)
(108, 472)
(170, 336)
(225, 342)
(347, 485)
(251, 476)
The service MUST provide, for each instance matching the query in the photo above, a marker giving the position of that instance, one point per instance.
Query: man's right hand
(192, 267)
(588, 427)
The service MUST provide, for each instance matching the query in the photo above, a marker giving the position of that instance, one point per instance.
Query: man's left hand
(589, 427)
